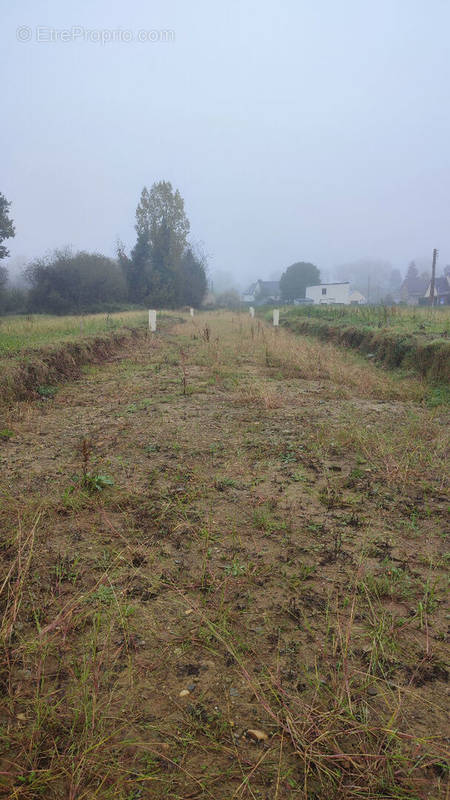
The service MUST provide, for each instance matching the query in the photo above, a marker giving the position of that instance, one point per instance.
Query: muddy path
(223, 556)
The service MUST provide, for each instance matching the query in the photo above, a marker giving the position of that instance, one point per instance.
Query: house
(249, 294)
(262, 292)
(330, 293)
(413, 289)
(356, 298)
(441, 291)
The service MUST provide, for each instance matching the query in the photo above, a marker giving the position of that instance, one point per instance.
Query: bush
(65, 283)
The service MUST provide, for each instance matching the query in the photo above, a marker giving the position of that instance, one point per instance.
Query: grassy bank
(39, 351)
(223, 576)
(414, 339)
(417, 320)
(19, 334)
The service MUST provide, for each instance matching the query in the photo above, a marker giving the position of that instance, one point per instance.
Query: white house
(329, 293)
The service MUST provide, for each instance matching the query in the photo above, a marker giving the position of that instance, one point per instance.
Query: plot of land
(223, 576)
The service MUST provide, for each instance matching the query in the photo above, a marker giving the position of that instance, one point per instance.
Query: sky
(296, 130)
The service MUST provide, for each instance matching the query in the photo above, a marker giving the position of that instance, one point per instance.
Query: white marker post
(191, 312)
(152, 320)
(276, 317)
(251, 311)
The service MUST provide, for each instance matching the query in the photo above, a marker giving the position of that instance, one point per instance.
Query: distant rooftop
(442, 285)
(333, 283)
(415, 284)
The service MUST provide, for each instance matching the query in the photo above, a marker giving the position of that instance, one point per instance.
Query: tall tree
(162, 228)
(163, 207)
(296, 278)
(7, 230)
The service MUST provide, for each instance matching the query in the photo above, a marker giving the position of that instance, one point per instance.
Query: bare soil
(223, 577)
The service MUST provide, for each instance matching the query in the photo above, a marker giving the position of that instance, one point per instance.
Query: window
(324, 291)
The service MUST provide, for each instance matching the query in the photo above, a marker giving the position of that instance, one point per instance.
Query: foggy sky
(295, 130)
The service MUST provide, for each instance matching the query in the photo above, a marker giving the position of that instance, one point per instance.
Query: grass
(415, 340)
(19, 333)
(423, 321)
(252, 604)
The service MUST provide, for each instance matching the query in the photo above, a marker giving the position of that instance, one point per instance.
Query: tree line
(163, 268)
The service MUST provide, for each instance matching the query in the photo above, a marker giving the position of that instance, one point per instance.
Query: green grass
(19, 333)
(417, 320)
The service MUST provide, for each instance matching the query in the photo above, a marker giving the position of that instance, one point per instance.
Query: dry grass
(269, 539)
(300, 357)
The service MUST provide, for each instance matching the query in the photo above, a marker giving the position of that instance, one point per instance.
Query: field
(18, 333)
(223, 575)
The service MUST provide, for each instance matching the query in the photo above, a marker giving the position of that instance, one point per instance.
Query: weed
(236, 568)
(95, 482)
(47, 392)
(67, 569)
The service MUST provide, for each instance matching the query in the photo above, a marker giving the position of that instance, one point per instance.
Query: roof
(441, 285)
(416, 285)
(333, 283)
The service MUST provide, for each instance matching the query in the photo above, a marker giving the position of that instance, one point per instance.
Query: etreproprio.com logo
(78, 33)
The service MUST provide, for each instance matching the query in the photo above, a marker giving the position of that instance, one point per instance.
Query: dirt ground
(223, 576)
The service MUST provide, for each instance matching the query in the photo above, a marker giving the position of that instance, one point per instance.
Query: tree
(159, 208)
(3, 284)
(296, 278)
(412, 272)
(162, 226)
(137, 269)
(7, 230)
(193, 277)
(65, 282)
(3, 278)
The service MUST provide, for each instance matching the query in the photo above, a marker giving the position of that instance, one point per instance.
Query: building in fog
(262, 292)
(413, 289)
(441, 291)
(335, 293)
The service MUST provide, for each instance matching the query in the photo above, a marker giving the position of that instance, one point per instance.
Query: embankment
(428, 357)
(21, 377)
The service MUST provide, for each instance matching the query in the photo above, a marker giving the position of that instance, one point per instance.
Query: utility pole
(433, 277)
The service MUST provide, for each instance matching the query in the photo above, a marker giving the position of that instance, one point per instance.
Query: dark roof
(441, 285)
(416, 285)
(332, 283)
